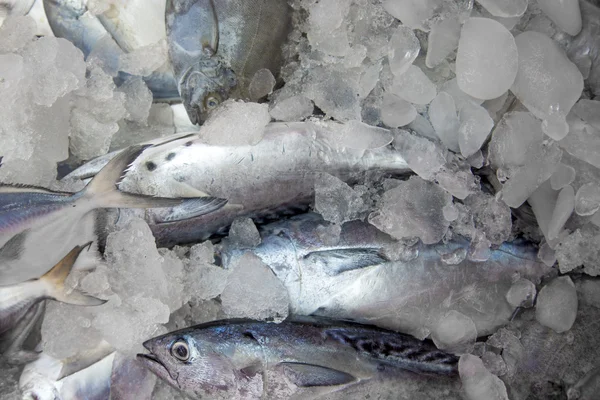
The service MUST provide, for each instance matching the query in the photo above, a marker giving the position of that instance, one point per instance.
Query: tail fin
(55, 278)
(104, 189)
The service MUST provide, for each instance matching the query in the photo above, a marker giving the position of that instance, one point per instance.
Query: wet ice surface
(498, 121)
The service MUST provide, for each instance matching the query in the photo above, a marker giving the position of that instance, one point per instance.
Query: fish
(126, 26)
(264, 181)
(222, 359)
(359, 277)
(12, 351)
(216, 47)
(16, 300)
(38, 226)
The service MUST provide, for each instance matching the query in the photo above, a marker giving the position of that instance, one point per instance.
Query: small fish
(216, 47)
(38, 226)
(224, 358)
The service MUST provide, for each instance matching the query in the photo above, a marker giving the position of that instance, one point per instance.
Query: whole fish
(223, 359)
(216, 47)
(360, 277)
(267, 179)
(124, 27)
(17, 299)
(39, 226)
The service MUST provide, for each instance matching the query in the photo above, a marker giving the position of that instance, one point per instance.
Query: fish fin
(104, 185)
(193, 208)
(309, 375)
(14, 247)
(337, 261)
(14, 353)
(185, 190)
(55, 278)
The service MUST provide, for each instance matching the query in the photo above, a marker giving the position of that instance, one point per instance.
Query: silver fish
(126, 26)
(271, 177)
(38, 226)
(216, 47)
(357, 278)
(223, 359)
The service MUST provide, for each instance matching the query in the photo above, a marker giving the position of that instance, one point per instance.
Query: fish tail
(103, 188)
(55, 279)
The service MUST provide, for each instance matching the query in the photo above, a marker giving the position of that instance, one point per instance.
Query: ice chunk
(422, 126)
(334, 92)
(138, 99)
(356, 135)
(261, 85)
(487, 59)
(564, 13)
(236, 123)
(458, 181)
(442, 113)
(243, 233)
(590, 291)
(546, 254)
(479, 250)
(422, 156)
(505, 8)
(565, 203)
(491, 216)
(478, 382)
(16, 33)
(396, 112)
(476, 160)
(494, 363)
(455, 257)
(404, 48)
(547, 82)
(369, 79)
(587, 200)
(422, 14)
(521, 293)
(442, 40)
(160, 123)
(583, 141)
(455, 332)
(512, 349)
(327, 27)
(292, 108)
(144, 60)
(460, 97)
(414, 86)
(450, 212)
(589, 111)
(543, 202)
(211, 280)
(580, 248)
(414, 208)
(335, 200)
(563, 176)
(475, 126)
(556, 305)
(254, 292)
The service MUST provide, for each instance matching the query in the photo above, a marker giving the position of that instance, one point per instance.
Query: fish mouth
(159, 369)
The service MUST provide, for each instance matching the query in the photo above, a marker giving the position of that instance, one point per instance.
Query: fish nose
(148, 345)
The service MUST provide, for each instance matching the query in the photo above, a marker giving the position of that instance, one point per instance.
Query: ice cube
(563, 176)
(422, 126)
(356, 135)
(209, 280)
(587, 200)
(254, 292)
(335, 200)
(442, 113)
(590, 291)
(413, 208)
(334, 92)
(476, 160)
(547, 82)
(454, 257)
(491, 216)
(475, 126)
(412, 13)
(547, 255)
(442, 40)
(175, 277)
(450, 212)
(160, 123)
(138, 99)
(556, 305)
(236, 123)
(327, 27)
(589, 111)
(565, 203)
(369, 79)
(261, 85)
(583, 141)
(396, 112)
(404, 48)
(243, 233)
(16, 33)
(457, 180)
(521, 293)
(505, 8)
(422, 156)
(292, 108)
(414, 86)
(144, 60)
(455, 332)
(512, 349)
(580, 248)
(487, 59)
(479, 250)
(460, 97)
(478, 382)
(564, 13)
(494, 363)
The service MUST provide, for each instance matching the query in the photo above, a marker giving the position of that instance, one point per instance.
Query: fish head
(191, 364)
(204, 86)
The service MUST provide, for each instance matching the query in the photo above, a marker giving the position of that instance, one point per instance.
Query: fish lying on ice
(216, 47)
(39, 226)
(225, 358)
(358, 278)
(273, 176)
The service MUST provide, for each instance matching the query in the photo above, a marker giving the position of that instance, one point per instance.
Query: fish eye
(180, 350)
(212, 102)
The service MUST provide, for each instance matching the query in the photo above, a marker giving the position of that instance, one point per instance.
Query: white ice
(442, 113)
(587, 199)
(414, 86)
(556, 305)
(292, 108)
(442, 40)
(565, 203)
(475, 126)
(455, 332)
(396, 112)
(521, 293)
(335, 200)
(404, 48)
(563, 176)
(243, 233)
(505, 8)
(223, 125)
(478, 382)
(564, 13)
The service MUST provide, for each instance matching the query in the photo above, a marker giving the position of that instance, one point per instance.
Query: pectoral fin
(193, 208)
(309, 375)
(337, 261)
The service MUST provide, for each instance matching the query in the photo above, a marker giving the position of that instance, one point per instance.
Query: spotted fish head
(204, 86)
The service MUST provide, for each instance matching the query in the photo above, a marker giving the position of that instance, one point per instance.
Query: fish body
(216, 47)
(224, 358)
(264, 180)
(38, 226)
(357, 278)
(125, 27)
